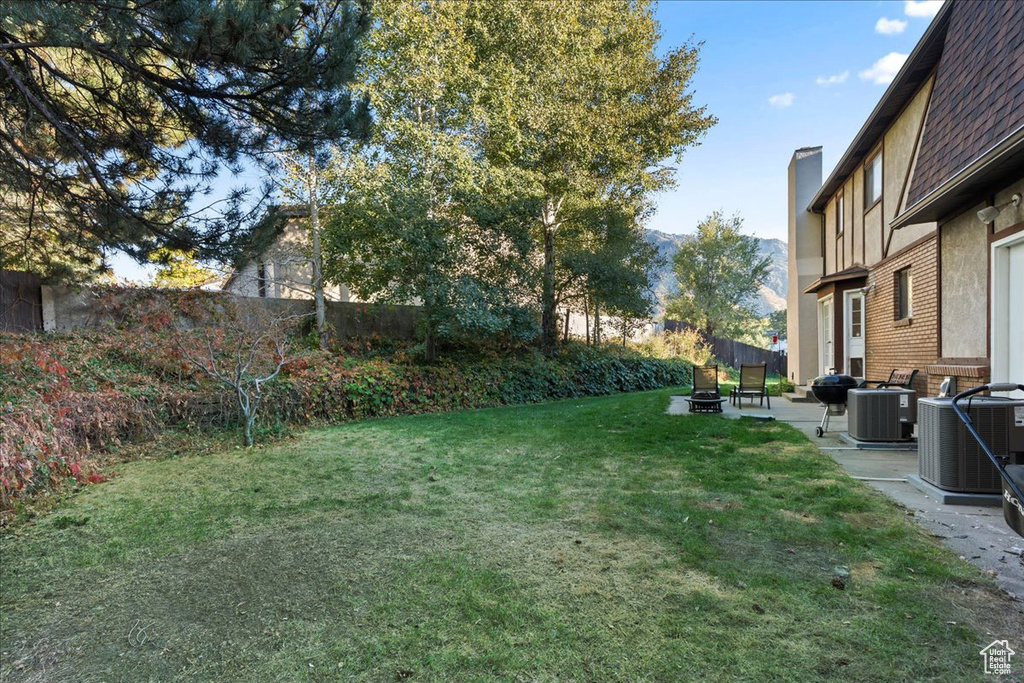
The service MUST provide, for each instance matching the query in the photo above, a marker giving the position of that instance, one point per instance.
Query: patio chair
(902, 378)
(753, 384)
(706, 397)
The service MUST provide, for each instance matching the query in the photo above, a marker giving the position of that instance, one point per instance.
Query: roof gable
(915, 73)
(978, 96)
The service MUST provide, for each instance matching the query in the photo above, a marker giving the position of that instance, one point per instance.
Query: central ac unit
(950, 458)
(883, 414)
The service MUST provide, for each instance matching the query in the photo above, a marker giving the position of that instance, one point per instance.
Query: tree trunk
(565, 332)
(597, 325)
(549, 317)
(586, 317)
(318, 278)
(430, 347)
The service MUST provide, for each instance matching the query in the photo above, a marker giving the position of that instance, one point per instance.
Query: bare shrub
(244, 354)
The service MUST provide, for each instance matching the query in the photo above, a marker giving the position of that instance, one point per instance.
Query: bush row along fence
(43, 445)
(26, 305)
(734, 353)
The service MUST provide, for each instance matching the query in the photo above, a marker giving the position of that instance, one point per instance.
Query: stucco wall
(900, 140)
(867, 239)
(804, 264)
(1009, 216)
(964, 249)
(287, 269)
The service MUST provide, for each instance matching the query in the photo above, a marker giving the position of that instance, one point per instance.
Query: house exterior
(891, 265)
(278, 265)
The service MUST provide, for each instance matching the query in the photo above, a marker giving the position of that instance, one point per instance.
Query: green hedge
(337, 391)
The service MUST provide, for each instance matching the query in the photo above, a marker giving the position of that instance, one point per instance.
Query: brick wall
(968, 374)
(904, 344)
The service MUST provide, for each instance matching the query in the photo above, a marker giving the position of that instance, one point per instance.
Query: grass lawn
(590, 540)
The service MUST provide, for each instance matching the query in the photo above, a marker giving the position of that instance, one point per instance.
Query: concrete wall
(611, 327)
(70, 308)
(804, 264)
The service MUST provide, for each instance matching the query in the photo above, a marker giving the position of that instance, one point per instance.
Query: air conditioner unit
(883, 414)
(950, 458)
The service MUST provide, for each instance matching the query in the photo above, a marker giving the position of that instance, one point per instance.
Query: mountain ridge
(772, 295)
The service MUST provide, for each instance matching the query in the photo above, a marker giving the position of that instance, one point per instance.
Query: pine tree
(117, 117)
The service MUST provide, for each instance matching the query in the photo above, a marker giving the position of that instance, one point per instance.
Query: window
(904, 294)
(261, 278)
(840, 214)
(856, 317)
(873, 181)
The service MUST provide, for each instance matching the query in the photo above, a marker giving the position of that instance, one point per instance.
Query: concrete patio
(978, 534)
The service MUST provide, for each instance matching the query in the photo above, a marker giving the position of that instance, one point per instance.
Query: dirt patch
(864, 572)
(796, 516)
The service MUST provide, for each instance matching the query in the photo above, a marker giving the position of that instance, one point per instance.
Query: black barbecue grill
(831, 390)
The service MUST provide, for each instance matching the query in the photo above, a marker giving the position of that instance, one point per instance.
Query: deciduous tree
(179, 269)
(719, 273)
(422, 217)
(580, 101)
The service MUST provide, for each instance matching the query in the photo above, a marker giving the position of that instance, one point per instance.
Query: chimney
(804, 265)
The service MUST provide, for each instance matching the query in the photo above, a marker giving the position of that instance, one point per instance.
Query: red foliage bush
(66, 397)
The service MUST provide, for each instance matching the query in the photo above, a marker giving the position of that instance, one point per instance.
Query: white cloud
(834, 79)
(921, 8)
(782, 101)
(890, 27)
(885, 69)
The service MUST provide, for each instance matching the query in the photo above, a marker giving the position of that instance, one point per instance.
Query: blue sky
(779, 76)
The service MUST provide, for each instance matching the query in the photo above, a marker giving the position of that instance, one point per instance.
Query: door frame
(823, 365)
(847, 329)
(999, 315)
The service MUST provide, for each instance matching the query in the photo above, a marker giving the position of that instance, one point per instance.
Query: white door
(1008, 311)
(1015, 301)
(826, 350)
(854, 329)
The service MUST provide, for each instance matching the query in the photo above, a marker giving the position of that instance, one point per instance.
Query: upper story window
(840, 214)
(904, 291)
(873, 181)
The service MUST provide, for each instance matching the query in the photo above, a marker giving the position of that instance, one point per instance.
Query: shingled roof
(914, 73)
(978, 97)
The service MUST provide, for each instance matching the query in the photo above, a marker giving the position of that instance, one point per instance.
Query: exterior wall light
(990, 213)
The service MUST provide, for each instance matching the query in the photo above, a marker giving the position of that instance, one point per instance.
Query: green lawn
(589, 540)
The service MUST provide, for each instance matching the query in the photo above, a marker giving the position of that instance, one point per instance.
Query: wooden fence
(21, 302)
(733, 353)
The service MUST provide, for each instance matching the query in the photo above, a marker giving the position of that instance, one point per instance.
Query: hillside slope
(772, 296)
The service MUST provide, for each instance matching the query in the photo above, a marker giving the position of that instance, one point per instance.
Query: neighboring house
(891, 265)
(278, 264)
